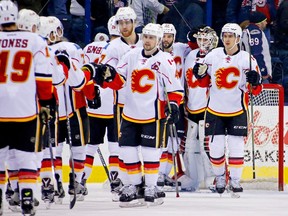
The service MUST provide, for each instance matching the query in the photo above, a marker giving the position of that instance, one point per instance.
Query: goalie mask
(27, 20)
(8, 12)
(207, 39)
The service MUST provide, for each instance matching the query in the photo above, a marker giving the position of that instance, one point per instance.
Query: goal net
(266, 172)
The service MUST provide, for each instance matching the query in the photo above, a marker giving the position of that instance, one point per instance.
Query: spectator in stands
(58, 8)
(147, 12)
(77, 29)
(258, 45)
(281, 34)
(190, 14)
(99, 16)
(238, 12)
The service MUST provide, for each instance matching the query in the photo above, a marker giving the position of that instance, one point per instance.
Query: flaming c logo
(178, 63)
(189, 77)
(222, 77)
(137, 83)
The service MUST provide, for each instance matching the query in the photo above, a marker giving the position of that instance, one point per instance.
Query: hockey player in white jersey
(178, 51)
(101, 115)
(125, 19)
(72, 103)
(146, 72)
(26, 86)
(231, 74)
(196, 161)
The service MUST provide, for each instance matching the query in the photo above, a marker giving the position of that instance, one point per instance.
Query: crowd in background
(185, 15)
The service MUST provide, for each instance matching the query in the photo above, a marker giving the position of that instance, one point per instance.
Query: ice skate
(78, 188)
(116, 184)
(48, 193)
(220, 184)
(14, 202)
(151, 198)
(128, 197)
(60, 193)
(27, 202)
(235, 188)
(83, 183)
(9, 192)
(1, 203)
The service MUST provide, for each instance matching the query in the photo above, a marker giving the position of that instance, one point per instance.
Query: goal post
(268, 117)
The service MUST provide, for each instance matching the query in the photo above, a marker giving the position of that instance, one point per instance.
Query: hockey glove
(48, 109)
(96, 102)
(253, 77)
(105, 73)
(172, 112)
(63, 57)
(92, 67)
(200, 70)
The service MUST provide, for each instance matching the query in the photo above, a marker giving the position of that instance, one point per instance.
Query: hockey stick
(251, 107)
(171, 129)
(103, 163)
(71, 161)
(182, 17)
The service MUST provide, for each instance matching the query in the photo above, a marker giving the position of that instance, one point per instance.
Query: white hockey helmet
(125, 13)
(153, 29)
(56, 26)
(207, 39)
(8, 12)
(27, 19)
(112, 27)
(45, 29)
(231, 28)
(169, 29)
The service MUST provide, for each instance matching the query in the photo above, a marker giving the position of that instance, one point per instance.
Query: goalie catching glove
(253, 77)
(96, 102)
(172, 112)
(200, 70)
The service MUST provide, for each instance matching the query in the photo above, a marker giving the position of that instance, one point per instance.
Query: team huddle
(156, 100)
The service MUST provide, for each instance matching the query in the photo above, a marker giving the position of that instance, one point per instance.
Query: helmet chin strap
(234, 44)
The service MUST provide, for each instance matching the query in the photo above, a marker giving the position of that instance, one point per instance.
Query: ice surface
(204, 203)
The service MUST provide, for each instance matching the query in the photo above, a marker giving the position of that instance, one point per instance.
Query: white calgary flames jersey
(115, 51)
(145, 78)
(196, 95)
(179, 53)
(25, 75)
(76, 78)
(228, 81)
(96, 52)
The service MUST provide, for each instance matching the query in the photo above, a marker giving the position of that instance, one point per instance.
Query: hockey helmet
(232, 28)
(56, 26)
(125, 13)
(153, 29)
(27, 19)
(112, 27)
(8, 12)
(169, 29)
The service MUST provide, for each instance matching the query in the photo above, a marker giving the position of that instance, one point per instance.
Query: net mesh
(266, 142)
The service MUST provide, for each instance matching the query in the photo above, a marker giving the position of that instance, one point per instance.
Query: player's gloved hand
(96, 102)
(48, 109)
(253, 77)
(191, 34)
(92, 67)
(172, 112)
(63, 57)
(105, 73)
(200, 70)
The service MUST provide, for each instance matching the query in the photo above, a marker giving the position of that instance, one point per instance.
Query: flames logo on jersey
(178, 63)
(189, 78)
(222, 77)
(137, 78)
